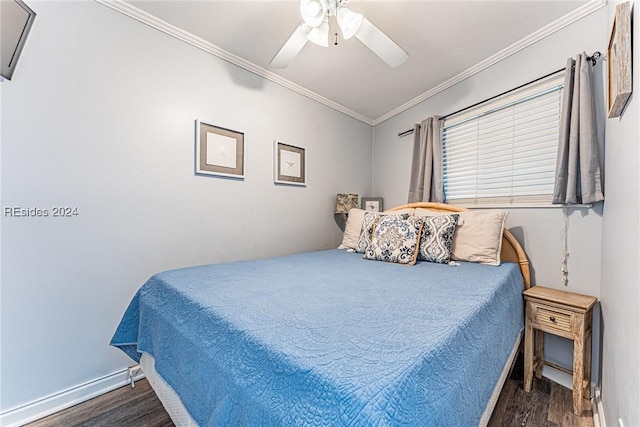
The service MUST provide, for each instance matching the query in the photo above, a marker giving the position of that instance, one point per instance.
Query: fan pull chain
(565, 248)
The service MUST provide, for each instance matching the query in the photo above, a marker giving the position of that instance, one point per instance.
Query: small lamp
(344, 203)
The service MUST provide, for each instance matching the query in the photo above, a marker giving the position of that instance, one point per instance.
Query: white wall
(620, 292)
(100, 116)
(538, 229)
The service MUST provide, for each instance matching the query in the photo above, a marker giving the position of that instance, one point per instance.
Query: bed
(330, 338)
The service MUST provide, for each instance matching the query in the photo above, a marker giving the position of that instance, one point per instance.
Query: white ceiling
(446, 40)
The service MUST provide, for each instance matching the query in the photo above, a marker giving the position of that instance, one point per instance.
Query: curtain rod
(593, 58)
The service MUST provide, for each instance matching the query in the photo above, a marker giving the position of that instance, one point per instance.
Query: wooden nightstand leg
(587, 354)
(587, 367)
(539, 352)
(528, 356)
(578, 366)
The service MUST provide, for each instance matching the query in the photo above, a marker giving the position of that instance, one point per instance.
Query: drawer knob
(552, 318)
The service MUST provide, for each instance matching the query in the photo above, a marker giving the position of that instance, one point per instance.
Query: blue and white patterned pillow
(395, 239)
(368, 224)
(437, 238)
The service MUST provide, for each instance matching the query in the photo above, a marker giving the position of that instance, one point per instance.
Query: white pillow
(478, 237)
(352, 229)
(399, 211)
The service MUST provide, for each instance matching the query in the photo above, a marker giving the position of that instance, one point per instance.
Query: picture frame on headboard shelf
(371, 204)
(619, 76)
(219, 151)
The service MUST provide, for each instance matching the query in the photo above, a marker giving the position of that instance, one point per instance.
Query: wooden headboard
(511, 249)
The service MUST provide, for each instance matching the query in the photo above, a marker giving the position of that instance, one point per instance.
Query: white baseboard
(557, 376)
(51, 404)
(598, 410)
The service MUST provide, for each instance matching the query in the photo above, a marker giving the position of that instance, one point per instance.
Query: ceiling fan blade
(292, 47)
(381, 44)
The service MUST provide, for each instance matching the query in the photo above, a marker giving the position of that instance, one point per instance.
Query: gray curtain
(426, 165)
(578, 163)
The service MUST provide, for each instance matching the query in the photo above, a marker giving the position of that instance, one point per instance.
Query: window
(503, 152)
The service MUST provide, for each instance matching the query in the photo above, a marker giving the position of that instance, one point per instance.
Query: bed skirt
(169, 399)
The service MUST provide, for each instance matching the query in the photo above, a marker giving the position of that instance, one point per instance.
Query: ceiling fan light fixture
(315, 28)
(320, 34)
(349, 22)
(313, 11)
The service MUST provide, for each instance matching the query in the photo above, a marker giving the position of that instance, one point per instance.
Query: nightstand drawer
(553, 319)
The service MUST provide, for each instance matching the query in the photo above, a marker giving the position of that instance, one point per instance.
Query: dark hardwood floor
(548, 405)
(124, 407)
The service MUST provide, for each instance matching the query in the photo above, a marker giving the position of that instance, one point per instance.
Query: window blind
(504, 152)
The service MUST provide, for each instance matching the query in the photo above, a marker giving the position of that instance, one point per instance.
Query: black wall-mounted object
(16, 19)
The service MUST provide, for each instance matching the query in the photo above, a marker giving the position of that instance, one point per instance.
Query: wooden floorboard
(124, 407)
(548, 405)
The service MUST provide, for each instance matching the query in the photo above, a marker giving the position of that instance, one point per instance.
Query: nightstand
(567, 315)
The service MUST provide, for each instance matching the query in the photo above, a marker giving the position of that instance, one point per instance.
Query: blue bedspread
(328, 339)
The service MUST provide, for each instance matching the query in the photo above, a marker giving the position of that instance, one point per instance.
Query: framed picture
(219, 151)
(15, 24)
(619, 61)
(290, 164)
(371, 204)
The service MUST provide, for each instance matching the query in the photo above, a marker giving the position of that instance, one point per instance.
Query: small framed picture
(219, 151)
(620, 75)
(371, 204)
(290, 164)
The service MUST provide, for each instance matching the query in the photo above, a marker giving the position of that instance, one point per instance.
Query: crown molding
(167, 28)
(543, 32)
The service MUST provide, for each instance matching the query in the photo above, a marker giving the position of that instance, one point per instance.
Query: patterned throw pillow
(437, 238)
(395, 240)
(366, 231)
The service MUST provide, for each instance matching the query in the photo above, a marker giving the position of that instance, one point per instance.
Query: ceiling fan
(315, 28)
